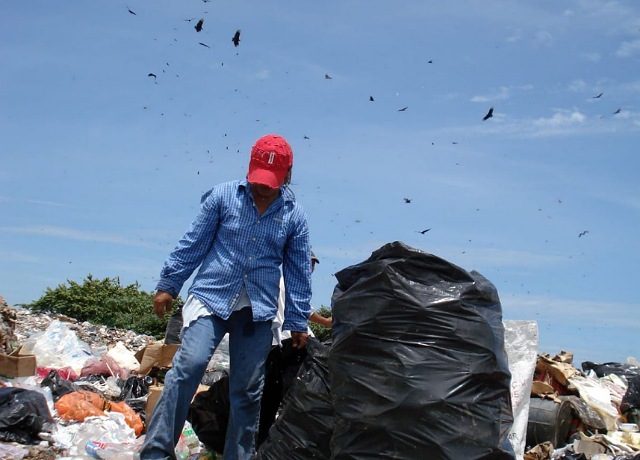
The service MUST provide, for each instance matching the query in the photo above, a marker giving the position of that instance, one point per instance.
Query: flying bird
(204, 44)
(407, 200)
(327, 76)
(598, 96)
(198, 26)
(423, 231)
(129, 9)
(488, 115)
(403, 109)
(617, 112)
(581, 234)
(430, 61)
(306, 137)
(236, 38)
(371, 98)
(151, 74)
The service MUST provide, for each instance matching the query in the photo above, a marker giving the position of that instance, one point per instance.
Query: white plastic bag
(58, 347)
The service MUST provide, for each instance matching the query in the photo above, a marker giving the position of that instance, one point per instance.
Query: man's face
(264, 191)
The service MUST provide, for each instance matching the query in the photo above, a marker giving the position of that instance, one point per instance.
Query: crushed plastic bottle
(188, 444)
(110, 451)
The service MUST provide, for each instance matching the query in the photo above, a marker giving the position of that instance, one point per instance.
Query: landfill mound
(420, 365)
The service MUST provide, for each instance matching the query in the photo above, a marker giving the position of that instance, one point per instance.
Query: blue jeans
(249, 346)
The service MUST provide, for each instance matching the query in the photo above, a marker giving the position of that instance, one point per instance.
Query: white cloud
(581, 312)
(495, 257)
(11, 257)
(562, 118)
(78, 235)
(262, 74)
(543, 38)
(628, 48)
(501, 94)
(515, 37)
(578, 86)
(48, 203)
(592, 56)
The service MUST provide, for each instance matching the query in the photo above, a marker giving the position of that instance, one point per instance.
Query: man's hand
(299, 339)
(162, 302)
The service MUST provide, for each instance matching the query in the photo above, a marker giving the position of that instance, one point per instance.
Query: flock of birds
(236, 42)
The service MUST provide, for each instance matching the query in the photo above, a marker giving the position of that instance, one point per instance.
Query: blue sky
(103, 165)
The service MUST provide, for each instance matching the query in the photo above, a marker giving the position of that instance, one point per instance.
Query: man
(244, 232)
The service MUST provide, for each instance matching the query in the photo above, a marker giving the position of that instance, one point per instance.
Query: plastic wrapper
(125, 358)
(105, 365)
(110, 428)
(598, 398)
(521, 339)
(418, 364)
(23, 415)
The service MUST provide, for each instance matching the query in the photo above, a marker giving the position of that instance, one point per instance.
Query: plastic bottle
(110, 451)
(188, 444)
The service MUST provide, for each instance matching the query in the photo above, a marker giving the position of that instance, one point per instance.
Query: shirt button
(245, 276)
(253, 239)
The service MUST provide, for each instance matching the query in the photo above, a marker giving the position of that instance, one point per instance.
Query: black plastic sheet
(418, 365)
(58, 386)
(628, 371)
(23, 415)
(631, 399)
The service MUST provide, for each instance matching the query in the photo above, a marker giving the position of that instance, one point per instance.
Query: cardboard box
(155, 354)
(154, 395)
(17, 364)
(152, 399)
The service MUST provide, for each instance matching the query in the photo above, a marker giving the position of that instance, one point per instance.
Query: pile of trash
(420, 365)
(62, 397)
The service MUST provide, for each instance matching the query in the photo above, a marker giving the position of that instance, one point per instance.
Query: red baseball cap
(271, 159)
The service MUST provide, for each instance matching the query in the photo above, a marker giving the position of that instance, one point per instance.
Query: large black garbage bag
(23, 414)
(209, 414)
(418, 365)
(303, 429)
(283, 365)
(209, 411)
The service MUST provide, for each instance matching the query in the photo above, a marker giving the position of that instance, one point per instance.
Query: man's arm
(321, 320)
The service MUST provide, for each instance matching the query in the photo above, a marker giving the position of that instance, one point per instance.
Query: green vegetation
(109, 303)
(322, 333)
(104, 302)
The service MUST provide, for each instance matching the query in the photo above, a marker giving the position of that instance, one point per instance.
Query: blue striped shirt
(231, 244)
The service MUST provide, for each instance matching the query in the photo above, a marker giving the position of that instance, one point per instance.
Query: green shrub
(322, 333)
(105, 302)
